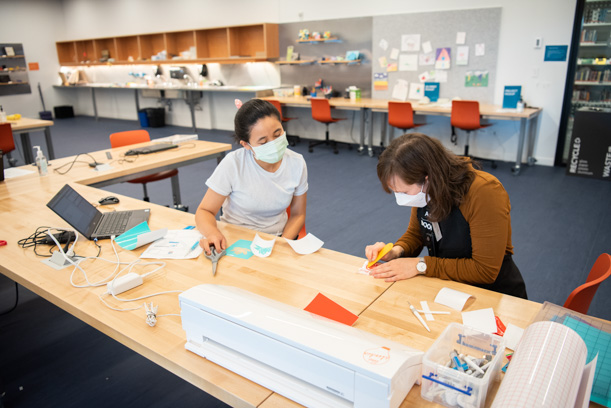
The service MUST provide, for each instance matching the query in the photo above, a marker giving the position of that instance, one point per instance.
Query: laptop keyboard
(113, 223)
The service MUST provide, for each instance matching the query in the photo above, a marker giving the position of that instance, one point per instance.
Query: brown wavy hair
(414, 156)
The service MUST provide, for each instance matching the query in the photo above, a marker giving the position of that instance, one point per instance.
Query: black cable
(71, 164)
(16, 301)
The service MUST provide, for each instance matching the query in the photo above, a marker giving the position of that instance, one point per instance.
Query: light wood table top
(325, 271)
(24, 124)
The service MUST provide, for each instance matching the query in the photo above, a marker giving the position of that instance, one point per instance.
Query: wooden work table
(284, 276)
(24, 126)
(528, 119)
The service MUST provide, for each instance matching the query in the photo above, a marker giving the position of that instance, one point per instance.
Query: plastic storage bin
(143, 118)
(450, 387)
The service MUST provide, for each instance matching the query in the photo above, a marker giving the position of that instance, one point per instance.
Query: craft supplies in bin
(283, 92)
(448, 373)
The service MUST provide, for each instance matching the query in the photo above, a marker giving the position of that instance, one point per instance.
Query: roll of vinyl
(546, 369)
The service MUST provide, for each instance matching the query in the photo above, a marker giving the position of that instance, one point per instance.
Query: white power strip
(176, 139)
(124, 283)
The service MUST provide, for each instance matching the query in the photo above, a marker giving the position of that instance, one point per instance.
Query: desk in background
(23, 127)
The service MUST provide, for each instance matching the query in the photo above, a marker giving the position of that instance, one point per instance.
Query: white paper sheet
(394, 53)
(452, 298)
(462, 55)
(416, 91)
(13, 172)
(408, 62)
(103, 167)
(262, 247)
(400, 90)
(306, 245)
(482, 320)
(410, 42)
(383, 44)
(480, 50)
(427, 48)
(176, 244)
(512, 336)
(426, 59)
(461, 37)
(585, 388)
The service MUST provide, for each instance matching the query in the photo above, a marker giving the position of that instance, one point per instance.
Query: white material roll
(546, 370)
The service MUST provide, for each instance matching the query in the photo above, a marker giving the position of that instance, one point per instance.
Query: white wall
(519, 63)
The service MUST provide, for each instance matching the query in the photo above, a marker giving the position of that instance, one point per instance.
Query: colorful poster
(408, 62)
(442, 58)
(383, 62)
(380, 81)
(480, 50)
(392, 67)
(416, 91)
(476, 79)
(462, 55)
(426, 59)
(410, 42)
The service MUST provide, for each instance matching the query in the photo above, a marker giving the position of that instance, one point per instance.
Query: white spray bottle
(41, 162)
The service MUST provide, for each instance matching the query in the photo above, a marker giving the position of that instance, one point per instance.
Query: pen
(194, 246)
(415, 312)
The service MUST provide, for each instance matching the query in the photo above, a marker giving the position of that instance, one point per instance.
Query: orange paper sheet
(325, 307)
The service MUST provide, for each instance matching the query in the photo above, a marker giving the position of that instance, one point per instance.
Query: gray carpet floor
(47, 357)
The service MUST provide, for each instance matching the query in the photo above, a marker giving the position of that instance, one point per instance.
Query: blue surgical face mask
(271, 152)
(407, 200)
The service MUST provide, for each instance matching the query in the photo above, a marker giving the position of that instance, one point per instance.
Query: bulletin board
(405, 37)
(353, 34)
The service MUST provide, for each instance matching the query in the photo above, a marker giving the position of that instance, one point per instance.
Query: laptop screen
(74, 209)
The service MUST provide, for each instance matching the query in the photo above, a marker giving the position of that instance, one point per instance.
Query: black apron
(456, 243)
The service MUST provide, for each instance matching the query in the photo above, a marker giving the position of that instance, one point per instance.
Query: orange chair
(7, 143)
(302, 232)
(130, 137)
(579, 300)
(465, 116)
(401, 116)
(293, 140)
(321, 112)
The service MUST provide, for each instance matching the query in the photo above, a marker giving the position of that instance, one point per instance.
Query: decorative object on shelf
(9, 51)
(352, 55)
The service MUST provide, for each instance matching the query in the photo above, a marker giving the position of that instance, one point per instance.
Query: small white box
(450, 387)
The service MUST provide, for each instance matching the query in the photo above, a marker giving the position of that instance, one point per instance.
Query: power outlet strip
(176, 139)
(124, 283)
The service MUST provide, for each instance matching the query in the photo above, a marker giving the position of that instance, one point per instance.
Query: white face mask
(407, 200)
(271, 152)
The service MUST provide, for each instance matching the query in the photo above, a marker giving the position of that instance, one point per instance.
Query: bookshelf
(13, 70)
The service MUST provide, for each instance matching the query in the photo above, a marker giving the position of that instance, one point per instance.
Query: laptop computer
(88, 220)
(158, 147)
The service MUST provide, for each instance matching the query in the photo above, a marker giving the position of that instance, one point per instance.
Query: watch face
(421, 266)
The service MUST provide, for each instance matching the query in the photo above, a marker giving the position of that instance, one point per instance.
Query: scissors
(214, 257)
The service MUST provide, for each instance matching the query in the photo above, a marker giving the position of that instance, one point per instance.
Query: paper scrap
(408, 62)
(394, 53)
(425, 306)
(400, 90)
(176, 244)
(138, 236)
(103, 167)
(306, 245)
(453, 298)
(482, 320)
(383, 44)
(416, 91)
(426, 59)
(462, 55)
(480, 50)
(325, 307)
(262, 247)
(427, 48)
(383, 62)
(410, 42)
(512, 336)
(13, 172)
(461, 37)
(424, 76)
(240, 249)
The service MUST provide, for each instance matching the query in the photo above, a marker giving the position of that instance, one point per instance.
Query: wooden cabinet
(256, 42)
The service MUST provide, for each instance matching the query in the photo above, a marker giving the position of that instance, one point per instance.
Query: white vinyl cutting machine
(312, 360)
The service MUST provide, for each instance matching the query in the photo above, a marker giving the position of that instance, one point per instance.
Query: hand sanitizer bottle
(520, 106)
(41, 162)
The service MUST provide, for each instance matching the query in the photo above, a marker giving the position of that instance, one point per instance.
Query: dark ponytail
(249, 114)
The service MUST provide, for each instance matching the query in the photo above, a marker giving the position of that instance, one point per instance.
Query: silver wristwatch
(421, 266)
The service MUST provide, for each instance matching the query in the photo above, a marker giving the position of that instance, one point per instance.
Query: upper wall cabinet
(257, 42)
